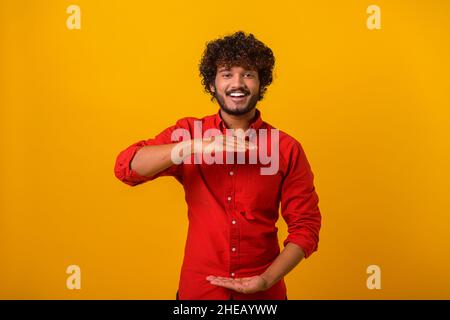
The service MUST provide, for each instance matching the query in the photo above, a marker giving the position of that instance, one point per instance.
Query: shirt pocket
(260, 193)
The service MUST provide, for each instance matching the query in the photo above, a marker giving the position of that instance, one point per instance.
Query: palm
(244, 285)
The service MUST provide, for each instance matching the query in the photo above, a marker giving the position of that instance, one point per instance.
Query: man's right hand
(221, 143)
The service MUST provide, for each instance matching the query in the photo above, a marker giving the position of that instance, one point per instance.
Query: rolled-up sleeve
(122, 168)
(299, 202)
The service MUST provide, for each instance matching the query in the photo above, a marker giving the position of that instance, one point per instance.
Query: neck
(238, 122)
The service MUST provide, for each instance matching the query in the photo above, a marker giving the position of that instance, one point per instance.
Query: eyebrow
(228, 69)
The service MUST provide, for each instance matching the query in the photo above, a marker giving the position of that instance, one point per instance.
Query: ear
(211, 87)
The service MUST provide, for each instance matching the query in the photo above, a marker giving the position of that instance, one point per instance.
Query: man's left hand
(244, 285)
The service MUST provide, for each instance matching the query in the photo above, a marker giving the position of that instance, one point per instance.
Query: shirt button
(233, 222)
(232, 274)
(229, 198)
(233, 249)
(231, 173)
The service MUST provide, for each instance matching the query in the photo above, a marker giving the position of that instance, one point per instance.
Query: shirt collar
(256, 123)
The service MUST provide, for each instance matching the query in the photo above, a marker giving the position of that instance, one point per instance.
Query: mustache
(243, 90)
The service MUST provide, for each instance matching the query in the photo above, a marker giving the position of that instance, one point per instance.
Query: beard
(251, 104)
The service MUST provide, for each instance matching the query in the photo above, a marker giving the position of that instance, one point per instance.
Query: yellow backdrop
(370, 107)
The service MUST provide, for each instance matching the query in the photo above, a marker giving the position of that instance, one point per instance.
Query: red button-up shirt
(232, 211)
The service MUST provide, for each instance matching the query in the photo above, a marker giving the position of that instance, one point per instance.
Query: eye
(249, 75)
(226, 75)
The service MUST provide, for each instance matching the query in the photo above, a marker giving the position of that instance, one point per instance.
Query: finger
(225, 279)
(235, 284)
(241, 145)
(252, 146)
(230, 146)
(222, 284)
(244, 143)
(218, 279)
(229, 285)
(236, 146)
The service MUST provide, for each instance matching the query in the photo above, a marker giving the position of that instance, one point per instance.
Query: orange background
(370, 108)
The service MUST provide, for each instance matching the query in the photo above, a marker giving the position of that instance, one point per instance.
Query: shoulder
(287, 143)
(289, 148)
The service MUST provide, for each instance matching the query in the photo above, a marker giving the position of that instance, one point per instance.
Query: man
(232, 249)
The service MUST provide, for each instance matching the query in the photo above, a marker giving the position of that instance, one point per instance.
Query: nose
(237, 81)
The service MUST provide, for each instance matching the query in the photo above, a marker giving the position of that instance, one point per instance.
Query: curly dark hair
(238, 49)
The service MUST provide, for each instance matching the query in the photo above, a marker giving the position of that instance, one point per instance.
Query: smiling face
(236, 89)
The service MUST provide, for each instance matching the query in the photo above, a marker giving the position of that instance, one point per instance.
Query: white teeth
(237, 94)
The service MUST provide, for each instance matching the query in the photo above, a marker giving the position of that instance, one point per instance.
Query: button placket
(234, 227)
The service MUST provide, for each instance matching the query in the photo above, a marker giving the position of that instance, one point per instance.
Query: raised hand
(221, 143)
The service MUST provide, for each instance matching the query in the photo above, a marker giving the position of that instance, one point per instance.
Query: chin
(237, 111)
